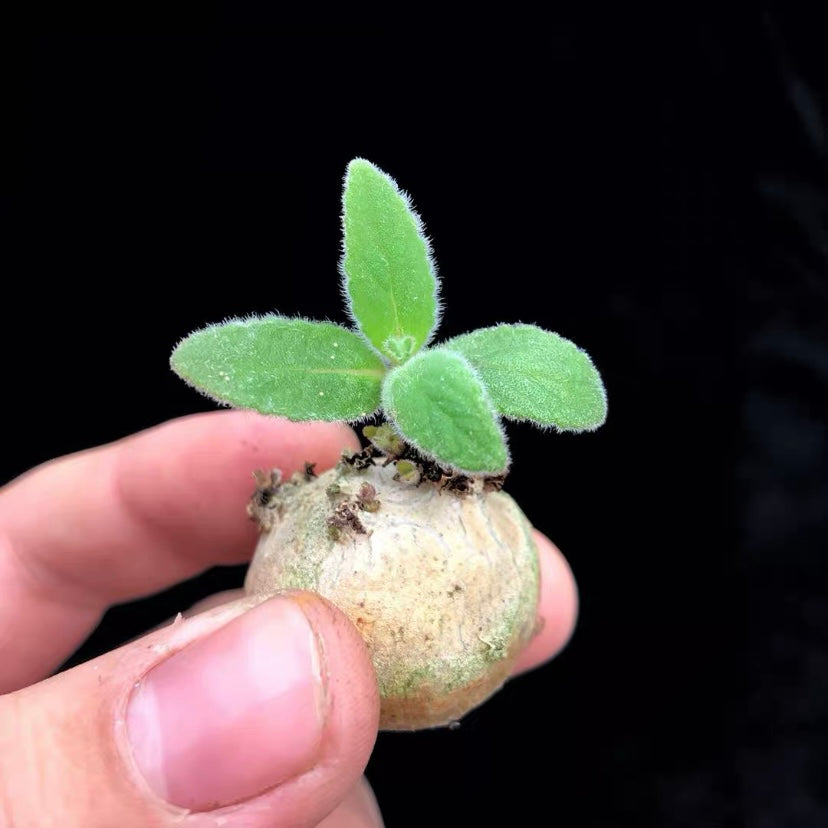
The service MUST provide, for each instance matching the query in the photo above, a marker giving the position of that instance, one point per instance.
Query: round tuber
(442, 584)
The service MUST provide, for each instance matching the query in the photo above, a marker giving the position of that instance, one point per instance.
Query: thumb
(258, 713)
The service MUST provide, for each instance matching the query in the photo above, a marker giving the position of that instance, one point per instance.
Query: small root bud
(345, 518)
(367, 498)
(359, 460)
(263, 505)
(494, 483)
(407, 472)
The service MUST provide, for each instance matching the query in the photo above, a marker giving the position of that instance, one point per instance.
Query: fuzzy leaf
(532, 374)
(441, 408)
(290, 367)
(387, 266)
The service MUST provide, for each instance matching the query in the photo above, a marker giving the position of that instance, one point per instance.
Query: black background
(654, 190)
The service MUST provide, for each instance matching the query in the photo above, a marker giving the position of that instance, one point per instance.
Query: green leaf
(389, 275)
(441, 408)
(290, 367)
(532, 374)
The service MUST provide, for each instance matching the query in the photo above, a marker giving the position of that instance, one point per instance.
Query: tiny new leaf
(438, 404)
(387, 266)
(289, 367)
(533, 374)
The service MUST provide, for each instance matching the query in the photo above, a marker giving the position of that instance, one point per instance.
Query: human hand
(253, 713)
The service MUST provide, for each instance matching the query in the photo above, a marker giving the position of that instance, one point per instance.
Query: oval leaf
(290, 367)
(441, 408)
(388, 272)
(532, 374)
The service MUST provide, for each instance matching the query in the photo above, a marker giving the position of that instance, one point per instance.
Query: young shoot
(446, 400)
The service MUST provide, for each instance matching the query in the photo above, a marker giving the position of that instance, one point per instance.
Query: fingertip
(283, 698)
(354, 703)
(293, 443)
(358, 810)
(558, 606)
(351, 720)
(268, 705)
(192, 477)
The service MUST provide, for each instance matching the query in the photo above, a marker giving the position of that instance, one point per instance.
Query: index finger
(128, 519)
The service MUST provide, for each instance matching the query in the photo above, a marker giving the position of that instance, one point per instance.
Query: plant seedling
(412, 537)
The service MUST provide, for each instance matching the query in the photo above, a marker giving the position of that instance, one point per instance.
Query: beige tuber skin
(442, 584)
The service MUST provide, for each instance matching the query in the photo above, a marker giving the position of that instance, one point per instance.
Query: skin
(129, 519)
